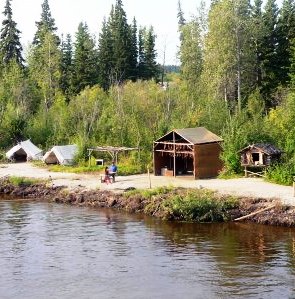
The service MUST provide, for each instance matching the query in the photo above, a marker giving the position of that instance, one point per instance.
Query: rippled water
(56, 251)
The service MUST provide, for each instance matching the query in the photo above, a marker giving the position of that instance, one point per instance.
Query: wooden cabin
(259, 155)
(188, 152)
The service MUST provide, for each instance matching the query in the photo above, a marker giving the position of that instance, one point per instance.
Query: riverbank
(181, 204)
(239, 187)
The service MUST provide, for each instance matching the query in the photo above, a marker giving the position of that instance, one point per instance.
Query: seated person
(107, 178)
(113, 170)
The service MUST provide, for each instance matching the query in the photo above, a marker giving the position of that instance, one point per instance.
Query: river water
(57, 251)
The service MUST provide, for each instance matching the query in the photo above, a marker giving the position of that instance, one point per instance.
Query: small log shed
(192, 151)
(259, 155)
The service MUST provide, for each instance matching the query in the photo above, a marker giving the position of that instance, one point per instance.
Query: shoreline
(277, 214)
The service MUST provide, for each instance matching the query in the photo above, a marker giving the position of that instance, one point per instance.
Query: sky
(161, 14)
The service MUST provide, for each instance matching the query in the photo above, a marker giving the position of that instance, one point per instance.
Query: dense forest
(236, 77)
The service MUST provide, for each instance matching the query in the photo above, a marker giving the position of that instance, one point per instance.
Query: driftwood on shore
(255, 213)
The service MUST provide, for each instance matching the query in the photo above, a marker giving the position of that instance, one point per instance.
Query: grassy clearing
(83, 167)
(187, 204)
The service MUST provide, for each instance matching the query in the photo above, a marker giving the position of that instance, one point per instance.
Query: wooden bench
(113, 176)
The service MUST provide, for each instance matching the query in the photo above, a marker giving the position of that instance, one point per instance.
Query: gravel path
(247, 187)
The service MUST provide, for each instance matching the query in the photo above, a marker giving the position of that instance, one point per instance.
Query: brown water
(56, 251)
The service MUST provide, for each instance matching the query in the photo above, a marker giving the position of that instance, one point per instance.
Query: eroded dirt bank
(156, 206)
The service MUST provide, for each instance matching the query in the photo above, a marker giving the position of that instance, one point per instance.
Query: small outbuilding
(61, 154)
(192, 152)
(259, 155)
(24, 151)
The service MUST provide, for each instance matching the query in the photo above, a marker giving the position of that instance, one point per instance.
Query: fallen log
(255, 213)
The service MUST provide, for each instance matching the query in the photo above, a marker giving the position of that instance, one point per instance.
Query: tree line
(240, 55)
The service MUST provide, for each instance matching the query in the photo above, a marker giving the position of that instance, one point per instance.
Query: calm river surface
(56, 251)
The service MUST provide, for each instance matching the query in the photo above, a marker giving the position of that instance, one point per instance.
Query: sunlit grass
(22, 181)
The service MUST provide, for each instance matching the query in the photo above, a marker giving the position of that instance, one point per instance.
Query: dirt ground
(244, 187)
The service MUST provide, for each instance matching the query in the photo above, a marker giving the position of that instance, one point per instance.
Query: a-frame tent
(61, 154)
(24, 151)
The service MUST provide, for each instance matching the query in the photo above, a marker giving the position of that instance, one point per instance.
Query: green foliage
(282, 173)
(186, 205)
(22, 181)
(200, 206)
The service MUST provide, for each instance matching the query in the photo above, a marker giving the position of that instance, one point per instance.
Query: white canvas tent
(24, 151)
(61, 154)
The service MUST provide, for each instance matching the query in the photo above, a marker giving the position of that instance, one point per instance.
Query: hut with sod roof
(260, 154)
(188, 152)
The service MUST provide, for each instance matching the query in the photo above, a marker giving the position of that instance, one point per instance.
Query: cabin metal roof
(197, 135)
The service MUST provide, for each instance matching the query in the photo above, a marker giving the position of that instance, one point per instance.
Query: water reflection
(55, 251)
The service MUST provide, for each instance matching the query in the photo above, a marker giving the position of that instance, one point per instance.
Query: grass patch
(76, 169)
(22, 181)
(83, 167)
(148, 193)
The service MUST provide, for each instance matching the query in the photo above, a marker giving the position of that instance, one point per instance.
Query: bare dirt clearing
(242, 187)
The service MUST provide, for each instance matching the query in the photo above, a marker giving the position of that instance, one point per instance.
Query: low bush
(186, 204)
(200, 206)
(281, 173)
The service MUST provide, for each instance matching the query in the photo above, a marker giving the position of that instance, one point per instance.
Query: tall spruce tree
(10, 46)
(66, 66)
(105, 57)
(122, 44)
(257, 29)
(85, 60)
(133, 51)
(286, 33)
(46, 24)
(151, 69)
(269, 58)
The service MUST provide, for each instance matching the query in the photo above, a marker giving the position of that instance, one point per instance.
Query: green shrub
(200, 206)
(281, 173)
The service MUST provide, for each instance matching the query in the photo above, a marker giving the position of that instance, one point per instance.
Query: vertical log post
(174, 155)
